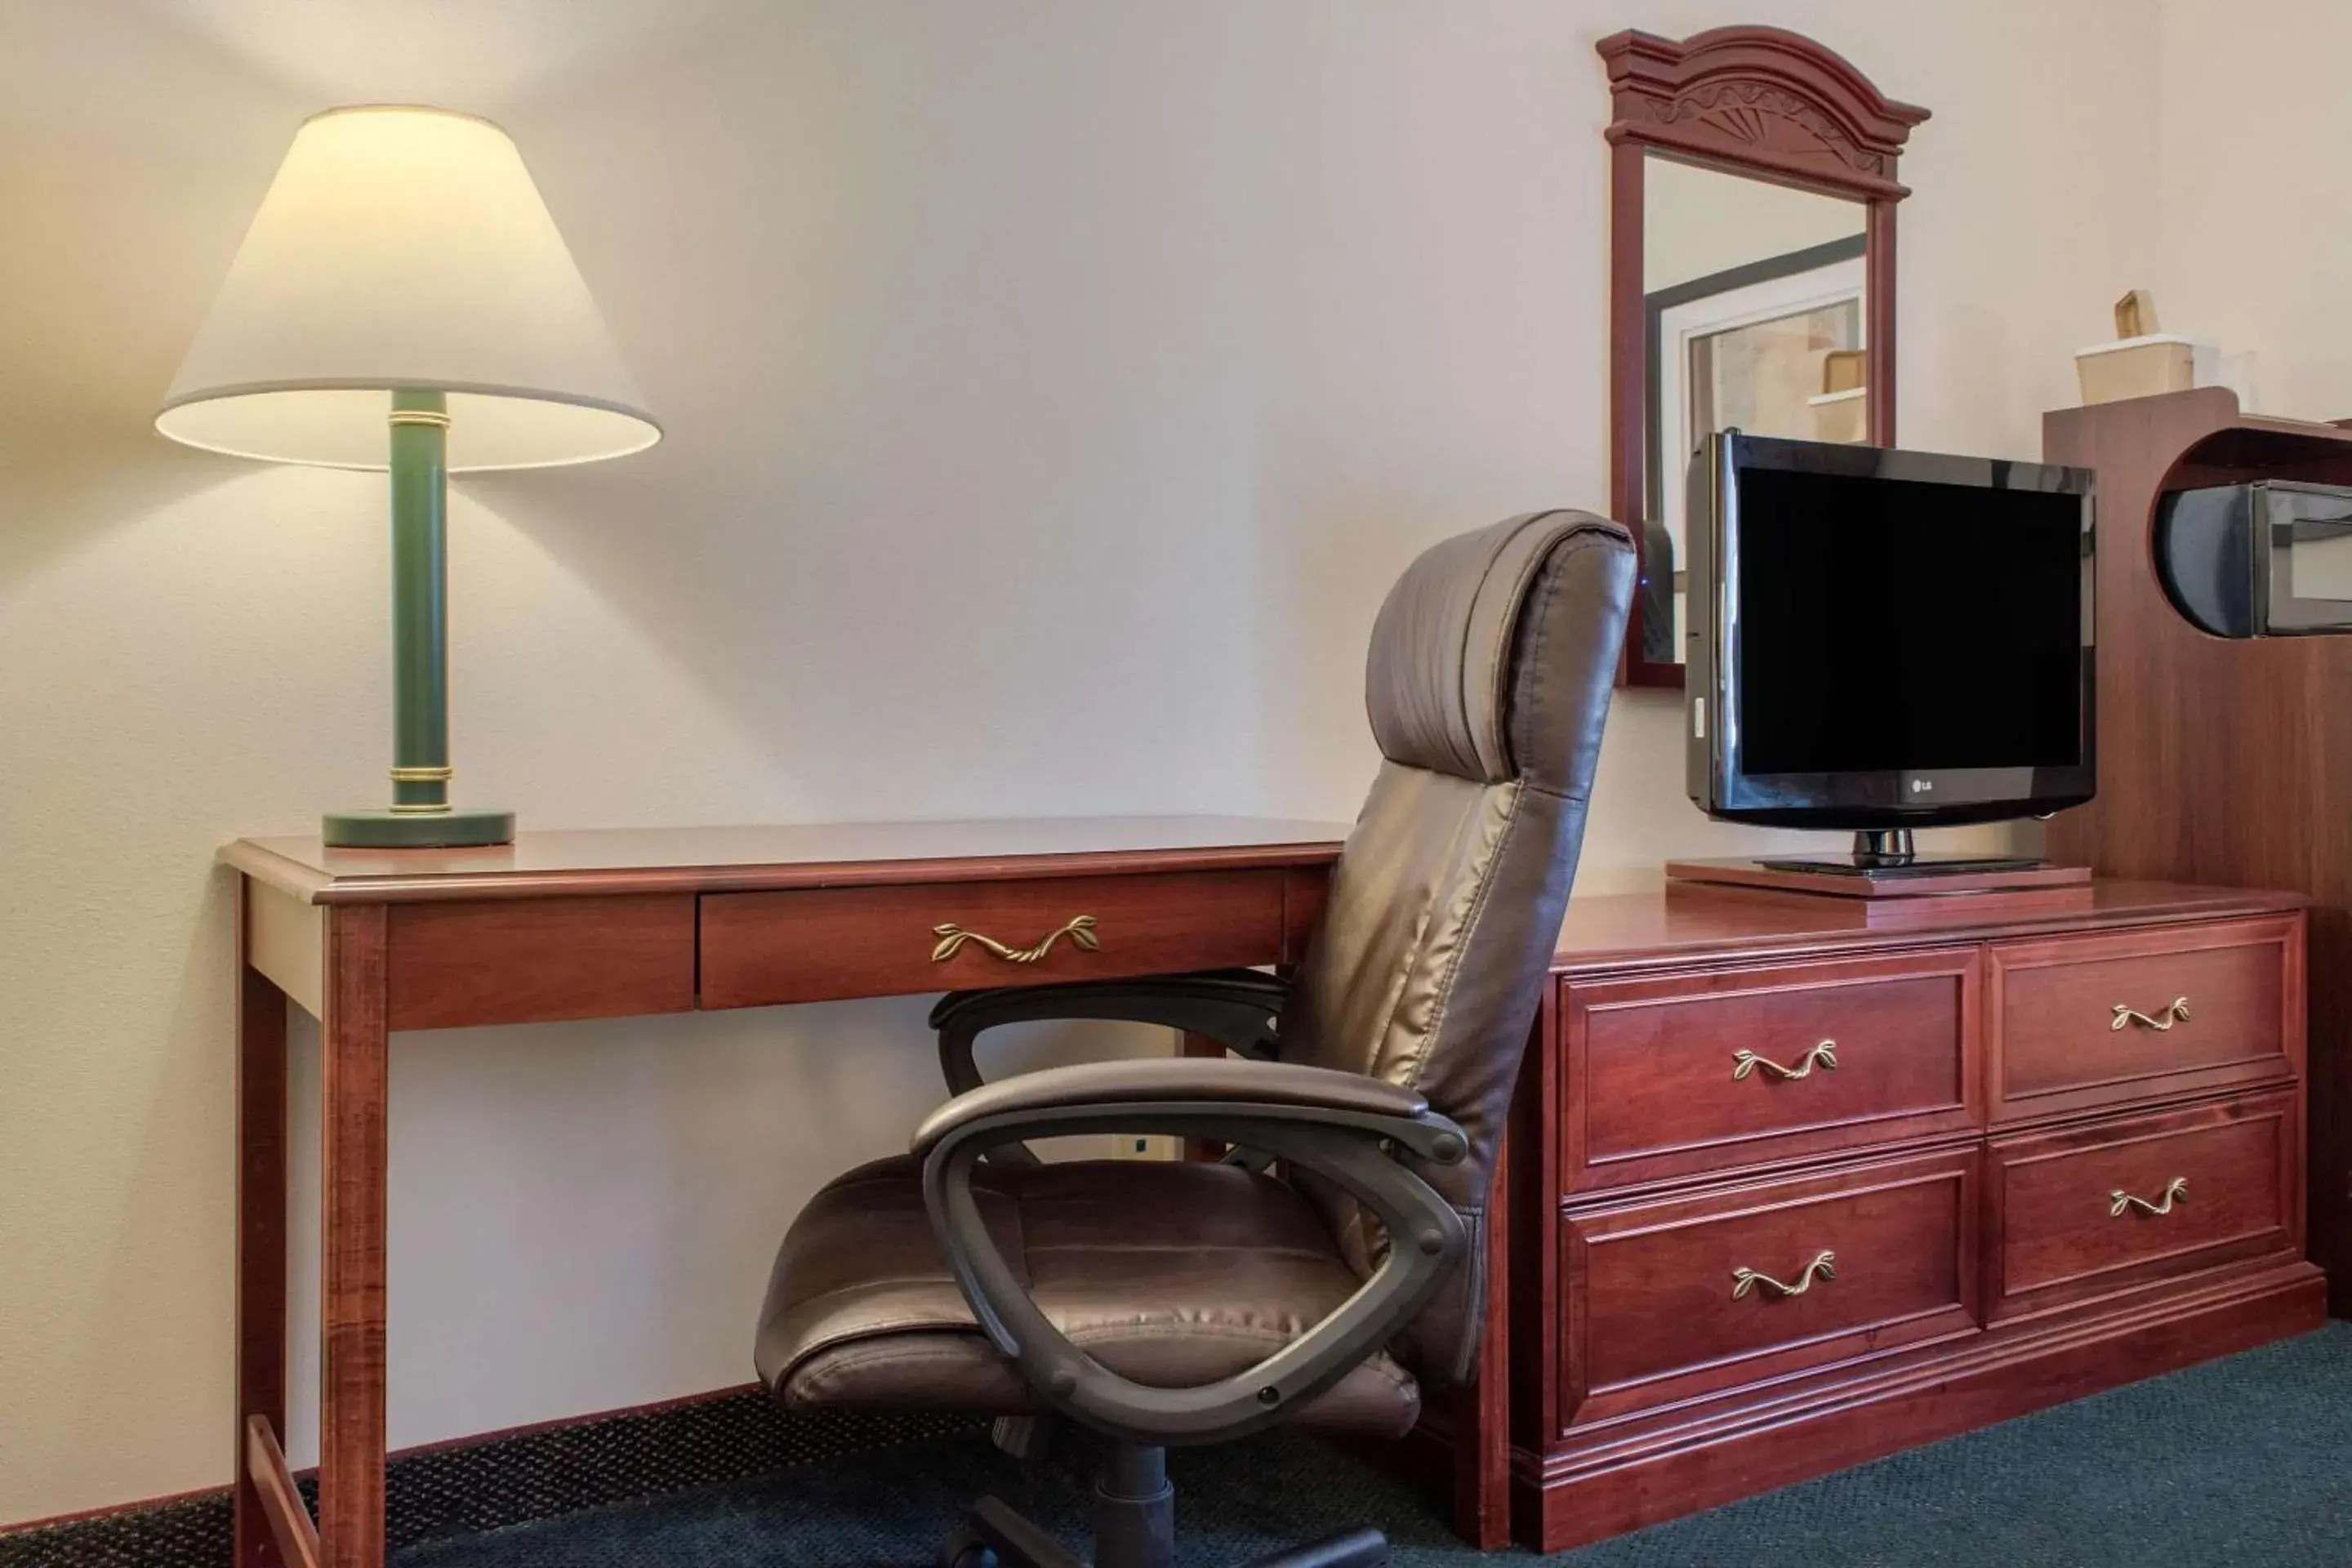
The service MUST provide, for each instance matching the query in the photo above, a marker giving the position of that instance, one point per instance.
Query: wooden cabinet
(1794, 1184)
(2223, 760)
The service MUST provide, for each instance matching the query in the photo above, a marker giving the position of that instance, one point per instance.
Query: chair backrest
(1488, 681)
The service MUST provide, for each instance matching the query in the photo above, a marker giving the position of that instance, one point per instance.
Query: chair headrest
(1453, 682)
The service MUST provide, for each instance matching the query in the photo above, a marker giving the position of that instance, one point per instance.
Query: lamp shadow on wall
(68, 484)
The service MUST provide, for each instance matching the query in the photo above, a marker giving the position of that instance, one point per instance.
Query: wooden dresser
(1790, 1189)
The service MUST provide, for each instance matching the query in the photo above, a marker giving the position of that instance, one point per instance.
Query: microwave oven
(2272, 558)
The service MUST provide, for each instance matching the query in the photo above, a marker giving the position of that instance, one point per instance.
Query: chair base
(1135, 1527)
(1026, 1437)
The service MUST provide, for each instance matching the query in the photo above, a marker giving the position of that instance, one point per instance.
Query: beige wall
(1053, 388)
(2256, 193)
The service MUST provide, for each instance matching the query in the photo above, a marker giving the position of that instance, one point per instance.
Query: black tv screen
(1886, 638)
(1893, 624)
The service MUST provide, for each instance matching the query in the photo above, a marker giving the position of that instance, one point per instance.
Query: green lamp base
(450, 829)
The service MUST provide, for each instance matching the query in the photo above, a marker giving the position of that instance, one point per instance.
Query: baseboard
(498, 1479)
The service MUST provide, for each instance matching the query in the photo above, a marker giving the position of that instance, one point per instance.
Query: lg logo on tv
(1921, 786)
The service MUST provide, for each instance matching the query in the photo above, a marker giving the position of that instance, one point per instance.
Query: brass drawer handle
(2175, 1191)
(2178, 1012)
(1822, 1266)
(1079, 929)
(1746, 1062)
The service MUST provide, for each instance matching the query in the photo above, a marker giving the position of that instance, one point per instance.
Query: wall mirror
(1752, 197)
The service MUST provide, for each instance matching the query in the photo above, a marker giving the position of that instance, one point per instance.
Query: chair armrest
(1160, 1083)
(1236, 1007)
(1346, 1129)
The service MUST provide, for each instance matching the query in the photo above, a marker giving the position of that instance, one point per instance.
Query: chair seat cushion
(1168, 1273)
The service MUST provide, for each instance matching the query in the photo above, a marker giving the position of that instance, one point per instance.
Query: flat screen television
(1883, 640)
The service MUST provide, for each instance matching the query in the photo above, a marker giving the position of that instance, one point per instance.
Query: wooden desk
(609, 924)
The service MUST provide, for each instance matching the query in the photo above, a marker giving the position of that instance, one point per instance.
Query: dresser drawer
(818, 944)
(1669, 1300)
(2084, 1021)
(2132, 1200)
(1667, 1075)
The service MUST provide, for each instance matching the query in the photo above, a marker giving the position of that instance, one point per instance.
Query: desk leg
(260, 1230)
(353, 1060)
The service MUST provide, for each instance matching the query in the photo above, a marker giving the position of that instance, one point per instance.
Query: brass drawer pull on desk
(1822, 1266)
(2178, 1012)
(1747, 1062)
(1080, 930)
(2174, 1190)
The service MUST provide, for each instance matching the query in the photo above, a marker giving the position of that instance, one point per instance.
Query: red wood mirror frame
(1771, 105)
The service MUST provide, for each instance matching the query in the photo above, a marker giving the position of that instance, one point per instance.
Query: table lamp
(403, 301)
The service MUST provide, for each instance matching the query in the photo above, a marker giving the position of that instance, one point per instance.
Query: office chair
(1165, 1302)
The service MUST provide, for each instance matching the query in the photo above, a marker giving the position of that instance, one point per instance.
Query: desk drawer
(2131, 1200)
(531, 961)
(1693, 1072)
(2084, 1021)
(819, 944)
(1661, 1307)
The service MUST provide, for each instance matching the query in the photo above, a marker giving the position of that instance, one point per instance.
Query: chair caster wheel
(966, 1548)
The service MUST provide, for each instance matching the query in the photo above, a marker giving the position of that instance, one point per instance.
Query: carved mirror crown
(1762, 99)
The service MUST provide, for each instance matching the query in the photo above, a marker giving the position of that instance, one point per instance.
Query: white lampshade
(404, 248)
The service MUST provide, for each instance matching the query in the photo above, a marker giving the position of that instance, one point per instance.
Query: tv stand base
(1879, 868)
(1891, 852)
(1870, 876)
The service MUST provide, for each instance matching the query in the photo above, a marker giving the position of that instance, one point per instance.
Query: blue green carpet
(2241, 1461)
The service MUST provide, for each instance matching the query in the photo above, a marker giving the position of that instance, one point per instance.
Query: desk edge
(313, 885)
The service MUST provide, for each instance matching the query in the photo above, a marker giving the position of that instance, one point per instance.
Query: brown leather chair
(1163, 1303)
